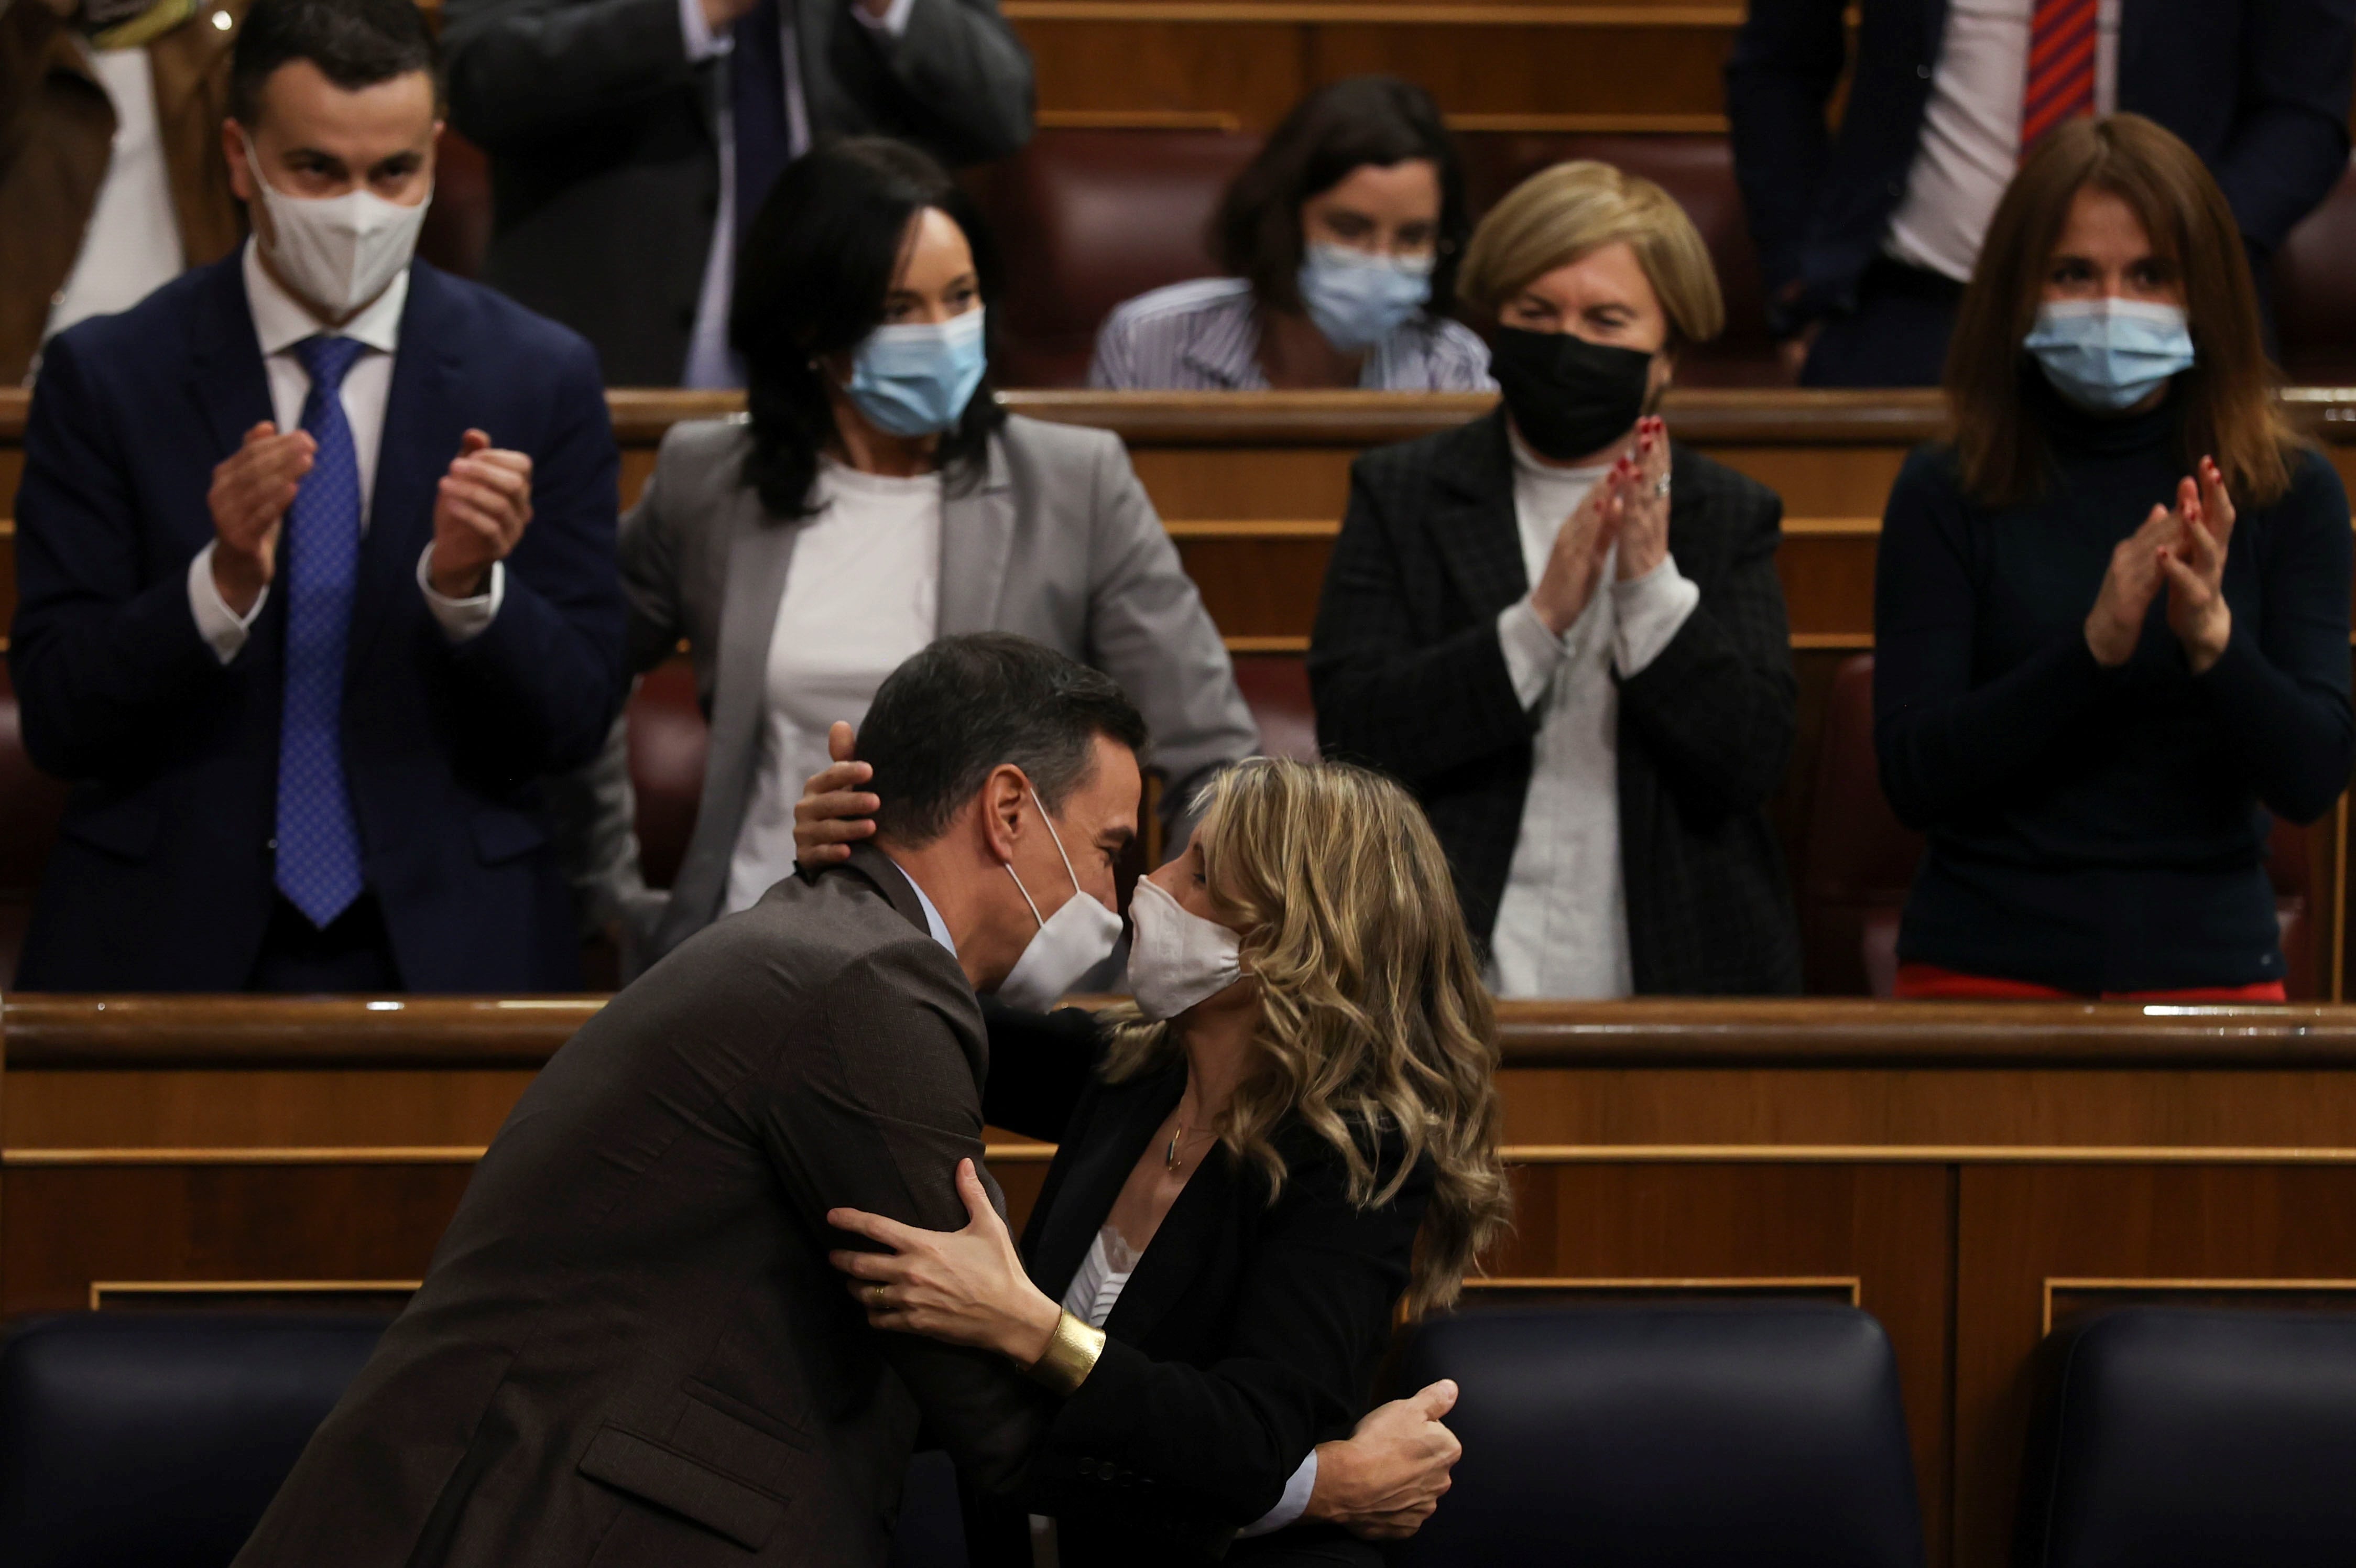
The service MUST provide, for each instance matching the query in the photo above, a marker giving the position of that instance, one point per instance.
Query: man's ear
(1002, 797)
(241, 173)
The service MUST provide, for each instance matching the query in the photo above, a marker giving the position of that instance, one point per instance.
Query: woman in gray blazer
(875, 496)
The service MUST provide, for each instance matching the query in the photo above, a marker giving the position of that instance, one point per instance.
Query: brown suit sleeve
(875, 1117)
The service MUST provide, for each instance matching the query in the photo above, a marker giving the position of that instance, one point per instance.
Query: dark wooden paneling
(67, 1226)
(2162, 1227)
(1228, 75)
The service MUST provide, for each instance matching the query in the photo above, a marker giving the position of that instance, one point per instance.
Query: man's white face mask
(1067, 944)
(338, 252)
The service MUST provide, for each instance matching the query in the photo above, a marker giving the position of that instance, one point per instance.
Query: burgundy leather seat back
(1275, 688)
(2289, 856)
(30, 804)
(667, 740)
(458, 225)
(2315, 307)
(1858, 861)
(1088, 218)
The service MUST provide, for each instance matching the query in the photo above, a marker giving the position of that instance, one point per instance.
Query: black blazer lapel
(423, 421)
(1122, 1118)
(226, 375)
(1472, 517)
(1204, 1214)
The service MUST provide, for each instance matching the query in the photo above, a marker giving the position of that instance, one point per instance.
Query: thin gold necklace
(1169, 1156)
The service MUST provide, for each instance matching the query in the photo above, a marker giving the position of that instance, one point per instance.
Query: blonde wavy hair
(1374, 1019)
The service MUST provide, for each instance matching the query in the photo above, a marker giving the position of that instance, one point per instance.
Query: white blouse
(1563, 922)
(863, 593)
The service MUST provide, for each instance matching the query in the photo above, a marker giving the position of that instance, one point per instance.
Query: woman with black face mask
(1566, 633)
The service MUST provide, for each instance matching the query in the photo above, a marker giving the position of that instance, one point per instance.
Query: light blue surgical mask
(917, 379)
(2108, 355)
(1356, 299)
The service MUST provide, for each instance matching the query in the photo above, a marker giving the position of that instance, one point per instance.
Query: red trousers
(1929, 983)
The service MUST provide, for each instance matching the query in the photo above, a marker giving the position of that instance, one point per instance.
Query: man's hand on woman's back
(1384, 1482)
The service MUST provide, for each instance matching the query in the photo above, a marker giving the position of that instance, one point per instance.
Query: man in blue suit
(1867, 235)
(315, 568)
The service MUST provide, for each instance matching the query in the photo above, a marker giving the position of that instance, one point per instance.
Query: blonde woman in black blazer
(1268, 1159)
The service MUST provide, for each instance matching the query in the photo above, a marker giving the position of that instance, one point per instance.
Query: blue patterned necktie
(318, 843)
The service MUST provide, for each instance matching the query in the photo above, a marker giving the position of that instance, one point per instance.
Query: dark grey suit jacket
(630, 1347)
(1409, 676)
(604, 142)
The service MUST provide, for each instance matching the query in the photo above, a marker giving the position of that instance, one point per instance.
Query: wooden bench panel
(1967, 1172)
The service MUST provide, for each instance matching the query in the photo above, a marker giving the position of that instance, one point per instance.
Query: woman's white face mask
(1177, 958)
(336, 252)
(1067, 944)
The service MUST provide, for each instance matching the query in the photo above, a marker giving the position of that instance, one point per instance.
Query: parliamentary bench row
(1973, 1176)
(1252, 487)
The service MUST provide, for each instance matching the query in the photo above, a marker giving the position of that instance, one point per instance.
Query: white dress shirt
(1562, 923)
(280, 322)
(133, 246)
(709, 361)
(863, 593)
(1971, 130)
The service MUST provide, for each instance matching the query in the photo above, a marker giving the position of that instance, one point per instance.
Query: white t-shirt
(863, 593)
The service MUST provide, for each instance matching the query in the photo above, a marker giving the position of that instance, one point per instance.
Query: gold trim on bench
(1852, 1284)
(446, 1155)
(1252, 527)
(1912, 1154)
(1604, 124)
(99, 1288)
(2057, 1283)
(1139, 120)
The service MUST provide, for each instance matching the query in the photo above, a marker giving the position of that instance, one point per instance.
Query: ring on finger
(875, 1296)
(1661, 487)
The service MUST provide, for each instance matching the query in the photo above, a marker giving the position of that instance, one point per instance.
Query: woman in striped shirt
(1342, 239)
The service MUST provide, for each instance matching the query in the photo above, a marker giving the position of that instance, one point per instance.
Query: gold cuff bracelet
(1071, 1355)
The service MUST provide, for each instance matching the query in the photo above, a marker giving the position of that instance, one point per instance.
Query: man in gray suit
(630, 1347)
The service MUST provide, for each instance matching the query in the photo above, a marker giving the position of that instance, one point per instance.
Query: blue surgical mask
(1356, 299)
(917, 379)
(2108, 355)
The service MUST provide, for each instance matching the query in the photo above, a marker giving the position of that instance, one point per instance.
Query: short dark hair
(1343, 126)
(811, 279)
(967, 704)
(355, 44)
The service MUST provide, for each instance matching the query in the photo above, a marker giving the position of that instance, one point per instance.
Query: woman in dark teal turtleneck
(2111, 617)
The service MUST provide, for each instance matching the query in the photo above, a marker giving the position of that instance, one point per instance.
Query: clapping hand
(1577, 559)
(2194, 567)
(1644, 515)
(252, 489)
(2180, 549)
(481, 511)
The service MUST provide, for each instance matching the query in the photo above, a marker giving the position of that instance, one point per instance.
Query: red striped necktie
(2061, 67)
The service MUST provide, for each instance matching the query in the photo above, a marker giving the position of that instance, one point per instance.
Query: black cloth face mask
(1569, 398)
